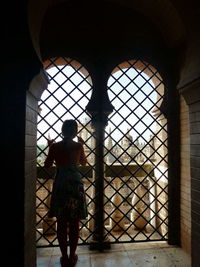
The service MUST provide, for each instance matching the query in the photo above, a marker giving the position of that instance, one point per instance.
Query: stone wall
(37, 85)
(185, 178)
(191, 93)
(195, 178)
(30, 175)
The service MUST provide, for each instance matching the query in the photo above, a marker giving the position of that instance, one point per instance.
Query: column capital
(99, 108)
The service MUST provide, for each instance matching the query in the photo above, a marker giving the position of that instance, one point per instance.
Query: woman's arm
(50, 157)
(82, 159)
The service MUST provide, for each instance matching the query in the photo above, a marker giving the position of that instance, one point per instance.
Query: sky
(138, 101)
(75, 100)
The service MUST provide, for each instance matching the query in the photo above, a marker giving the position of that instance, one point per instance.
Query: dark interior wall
(19, 64)
(12, 175)
(95, 31)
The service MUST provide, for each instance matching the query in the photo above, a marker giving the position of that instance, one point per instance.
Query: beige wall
(185, 179)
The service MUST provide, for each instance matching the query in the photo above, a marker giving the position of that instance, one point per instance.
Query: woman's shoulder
(56, 145)
(70, 143)
(77, 144)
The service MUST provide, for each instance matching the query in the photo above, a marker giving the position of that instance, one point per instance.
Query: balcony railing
(135, 206)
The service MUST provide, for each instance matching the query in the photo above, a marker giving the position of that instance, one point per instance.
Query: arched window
(128, 188)
(68, 93)
(136, 155)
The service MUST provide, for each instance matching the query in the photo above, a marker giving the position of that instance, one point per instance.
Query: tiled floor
(122, 255)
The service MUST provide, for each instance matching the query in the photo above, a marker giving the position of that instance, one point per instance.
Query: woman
(68, 199)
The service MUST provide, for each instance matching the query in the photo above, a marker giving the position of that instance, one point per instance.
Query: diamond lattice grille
(66, 97)
(135, 151)
(136, 159)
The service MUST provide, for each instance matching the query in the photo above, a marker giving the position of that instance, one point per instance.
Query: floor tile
(149, 258)
(43, 261)
(156, 254)
(178, 257)
(111, 259)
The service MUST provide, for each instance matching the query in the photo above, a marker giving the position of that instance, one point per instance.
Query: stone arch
(162, 13)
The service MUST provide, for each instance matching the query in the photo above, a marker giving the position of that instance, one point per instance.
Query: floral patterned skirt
(68, 194)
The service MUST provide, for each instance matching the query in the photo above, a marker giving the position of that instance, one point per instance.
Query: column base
(95, 245)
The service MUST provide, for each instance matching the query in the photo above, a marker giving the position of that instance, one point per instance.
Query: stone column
(139, 221)
(49, 224)
(91, 207)
(152, 200)
(117, 214)
(98, 240)
(99, 108)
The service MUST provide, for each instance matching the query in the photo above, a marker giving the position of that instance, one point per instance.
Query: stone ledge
(110, 171)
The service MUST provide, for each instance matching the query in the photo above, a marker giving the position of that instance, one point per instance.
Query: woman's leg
(73, 237)
(62, 222)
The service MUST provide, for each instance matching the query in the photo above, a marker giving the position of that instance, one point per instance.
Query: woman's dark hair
(69, 129)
